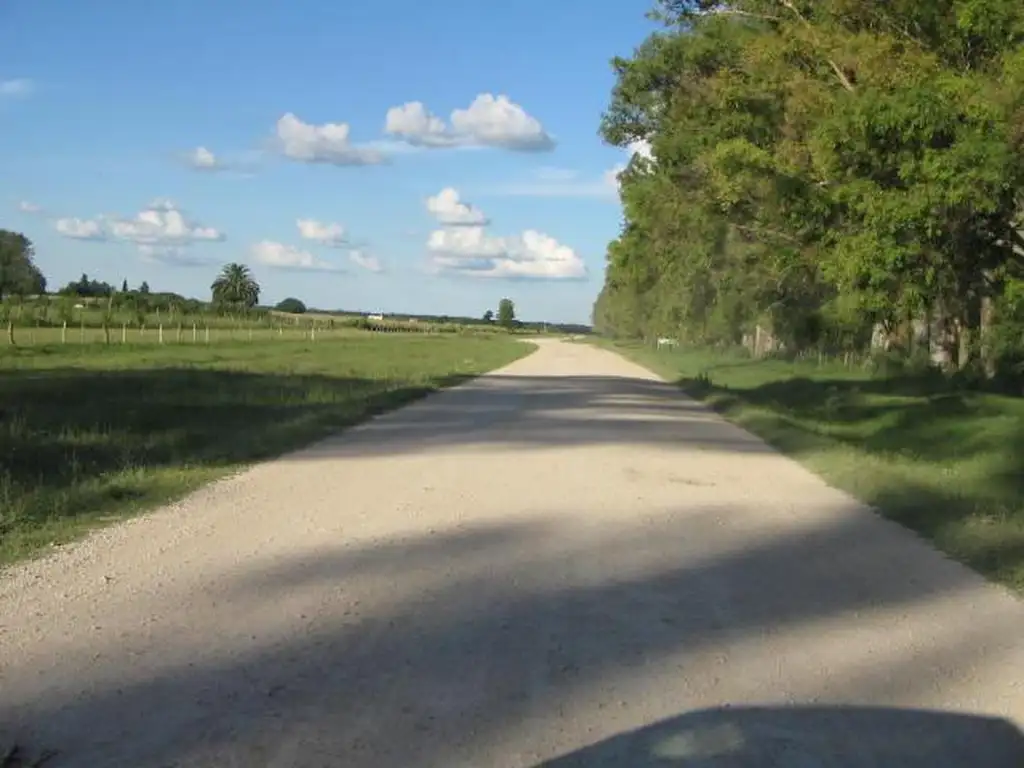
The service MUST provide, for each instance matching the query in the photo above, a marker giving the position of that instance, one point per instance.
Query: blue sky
(470, 168)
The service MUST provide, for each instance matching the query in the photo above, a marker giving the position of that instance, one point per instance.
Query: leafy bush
(292, 305)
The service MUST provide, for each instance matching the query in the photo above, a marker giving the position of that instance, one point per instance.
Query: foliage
(235, 287)
(85, 287)
(488, 316)
(292, 305)
(506, 313)
(820, 168)
(19, 276)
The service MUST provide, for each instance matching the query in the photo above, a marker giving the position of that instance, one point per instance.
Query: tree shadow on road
(509, 644)
(81, 445)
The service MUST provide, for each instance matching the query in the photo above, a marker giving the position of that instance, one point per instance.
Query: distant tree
(144, 287)
(506, 313)
(292, 305)
(66, 309)
(19, 275)
(488, 316)
(124, 286)
(235, 287)
(87, 288)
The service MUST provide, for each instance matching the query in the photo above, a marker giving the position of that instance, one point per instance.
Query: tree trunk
(986, 318)
(970, 334)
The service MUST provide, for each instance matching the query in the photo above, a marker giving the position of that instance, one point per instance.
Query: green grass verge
(948, 464)
(91, 434)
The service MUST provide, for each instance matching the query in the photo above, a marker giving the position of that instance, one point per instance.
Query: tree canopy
(506, 313)
(19, 275)
(86, 287)
(235, 287)
(818, 168)
(292, 305)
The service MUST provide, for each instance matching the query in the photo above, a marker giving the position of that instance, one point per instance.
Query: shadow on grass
(947, 464)
(853, 737)
(511, 643)
(78, 444)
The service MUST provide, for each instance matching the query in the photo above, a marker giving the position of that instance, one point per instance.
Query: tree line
(840, 174)
(234, 290)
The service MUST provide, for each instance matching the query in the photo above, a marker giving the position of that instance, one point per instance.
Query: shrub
(291, 305)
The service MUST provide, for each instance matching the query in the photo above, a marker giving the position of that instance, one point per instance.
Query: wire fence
(207, 333)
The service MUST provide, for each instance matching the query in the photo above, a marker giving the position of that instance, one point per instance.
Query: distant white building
(375, 317)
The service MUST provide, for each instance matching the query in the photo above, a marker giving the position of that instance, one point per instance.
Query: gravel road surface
(563, 563)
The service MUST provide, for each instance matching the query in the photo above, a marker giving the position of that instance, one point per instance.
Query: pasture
(92, 432)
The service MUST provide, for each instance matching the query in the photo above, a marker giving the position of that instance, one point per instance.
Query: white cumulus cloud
(161, 224)
(27, 206)
(489, 121)
(328, 143)
(366, 261)
(412, 121)
(472, 251)
(81, 229)
(288, 257)
(202, 159)
(449, 210)
(205, 160)
(323, 233)
(160, 230)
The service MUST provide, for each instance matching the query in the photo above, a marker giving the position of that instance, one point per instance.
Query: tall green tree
(506, 313)
(235, 287)
(291, 305)
(19, 275)
(818, 166)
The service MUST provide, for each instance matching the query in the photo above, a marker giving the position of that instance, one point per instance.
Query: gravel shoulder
(515, 571)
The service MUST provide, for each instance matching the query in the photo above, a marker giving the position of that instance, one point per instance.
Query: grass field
(948, 464)
(91, 433)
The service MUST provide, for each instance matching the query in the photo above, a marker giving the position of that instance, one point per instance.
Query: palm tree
(235, 287)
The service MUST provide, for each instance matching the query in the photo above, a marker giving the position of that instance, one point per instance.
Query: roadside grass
(90, 434)
(941, 461)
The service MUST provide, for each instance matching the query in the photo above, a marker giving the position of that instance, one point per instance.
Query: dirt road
(563, 561)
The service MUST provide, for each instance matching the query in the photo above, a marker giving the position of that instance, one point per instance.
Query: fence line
(199, 333)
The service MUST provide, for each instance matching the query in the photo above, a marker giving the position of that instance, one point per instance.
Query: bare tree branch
(843, 79)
